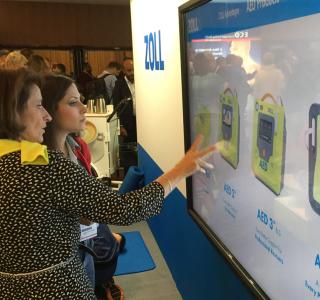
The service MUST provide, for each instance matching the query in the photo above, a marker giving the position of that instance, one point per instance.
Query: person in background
(206, 86)
(220, 64)
(242, 48)
(15, 60)
(38, 64)
(124, 89)
(61, 99)
(27, 52)
(191, 54)
(110, 76)
(3, 55)
(84, 80)
(269, 79)
(59, 69)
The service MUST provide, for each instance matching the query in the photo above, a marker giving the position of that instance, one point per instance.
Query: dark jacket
(127, 119)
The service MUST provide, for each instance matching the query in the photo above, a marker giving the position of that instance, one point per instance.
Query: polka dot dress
(40, 207)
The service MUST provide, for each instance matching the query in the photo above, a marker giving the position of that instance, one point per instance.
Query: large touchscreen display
(265, 208)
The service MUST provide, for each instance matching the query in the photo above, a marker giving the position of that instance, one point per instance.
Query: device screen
(227, 115)
(265, 130)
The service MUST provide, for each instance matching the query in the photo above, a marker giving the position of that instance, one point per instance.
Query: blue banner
(221, 17)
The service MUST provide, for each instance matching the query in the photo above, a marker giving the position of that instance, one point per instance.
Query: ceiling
(104, 2)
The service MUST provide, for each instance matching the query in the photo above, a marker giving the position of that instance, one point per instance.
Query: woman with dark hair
(43, 195)
(38, 64)
(61, 98)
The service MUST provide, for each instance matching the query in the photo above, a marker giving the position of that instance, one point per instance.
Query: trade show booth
(246, 79)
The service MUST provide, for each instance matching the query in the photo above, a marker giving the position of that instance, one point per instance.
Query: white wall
(158, 93)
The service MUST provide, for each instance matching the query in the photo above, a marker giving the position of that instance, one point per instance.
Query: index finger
(197, 142)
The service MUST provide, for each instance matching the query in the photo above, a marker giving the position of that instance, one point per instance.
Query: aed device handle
(268, 95)
(228, 90)
(311, 131)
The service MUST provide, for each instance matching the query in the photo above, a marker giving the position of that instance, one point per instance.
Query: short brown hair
(15, 86)
(38, 64)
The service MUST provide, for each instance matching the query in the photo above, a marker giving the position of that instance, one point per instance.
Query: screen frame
(245, 277)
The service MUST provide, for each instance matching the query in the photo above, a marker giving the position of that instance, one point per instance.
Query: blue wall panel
(198, 269)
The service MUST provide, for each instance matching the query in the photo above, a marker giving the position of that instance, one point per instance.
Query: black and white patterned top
(40, 207)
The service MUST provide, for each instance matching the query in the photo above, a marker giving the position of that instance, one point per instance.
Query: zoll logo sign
(153, 54)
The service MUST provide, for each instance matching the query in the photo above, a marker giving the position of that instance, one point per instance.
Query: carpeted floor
(156, 284)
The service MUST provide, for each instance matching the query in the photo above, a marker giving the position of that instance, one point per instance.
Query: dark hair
(15, 87)
(4, 52)
(126, 58)
(27, 52)
(86, 66)
(114, 65)
(201, 64)
(38, 64)
(53, 90)
(61, 67)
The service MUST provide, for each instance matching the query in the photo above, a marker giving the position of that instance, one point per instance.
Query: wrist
(168, 182)
(174, 176)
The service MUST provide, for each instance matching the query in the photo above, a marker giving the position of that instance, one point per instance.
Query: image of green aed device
(229, 126)
(314, 157)
(269, 142)
(203, 124)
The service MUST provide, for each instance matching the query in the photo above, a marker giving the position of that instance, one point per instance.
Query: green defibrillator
(229, 126)
(203, 124)
(314, 157)
(269, 142)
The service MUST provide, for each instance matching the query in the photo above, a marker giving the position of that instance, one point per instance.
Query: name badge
(88, 232)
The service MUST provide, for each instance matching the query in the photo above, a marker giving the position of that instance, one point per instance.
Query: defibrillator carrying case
(269, 143)
(229, 127)
(203, 124)
(314, 157)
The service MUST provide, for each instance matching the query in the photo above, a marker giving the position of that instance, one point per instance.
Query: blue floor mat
(136, 257)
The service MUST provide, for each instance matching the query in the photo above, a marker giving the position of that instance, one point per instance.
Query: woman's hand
(192, 162)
